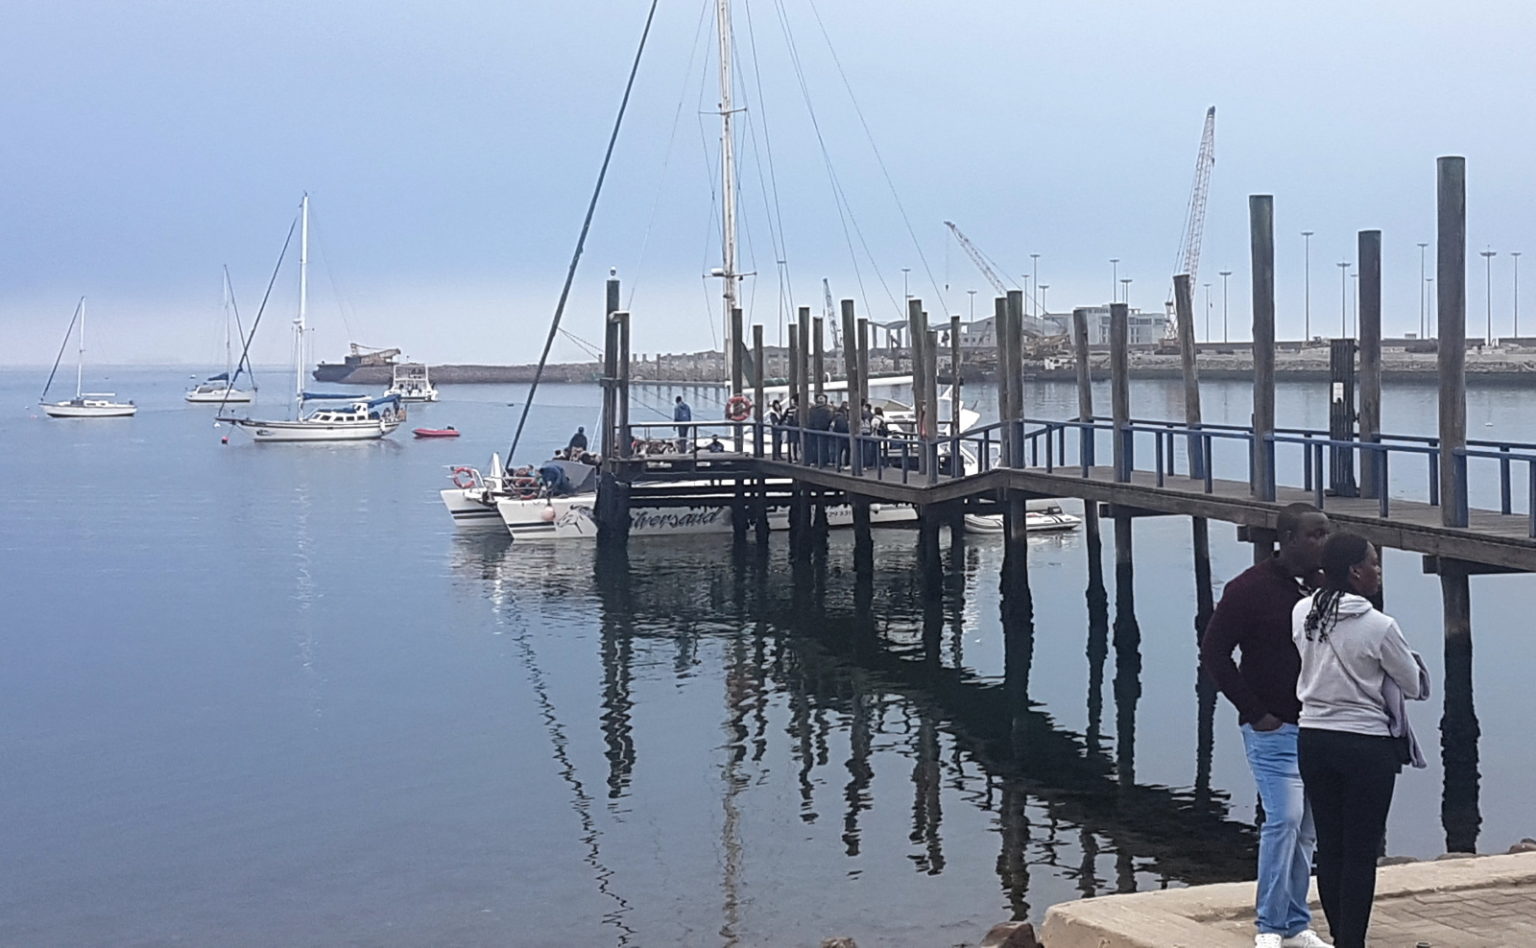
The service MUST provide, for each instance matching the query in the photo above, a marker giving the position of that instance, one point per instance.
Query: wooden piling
(625, 441)
(803, 392)
(954, 375)
(863, 336)
(794, 367)
(1120, 390)
(1261, 237)
(1085, 414)
(818, 355)
(1459, 729)
(1369, 255)
(1002, 313)
(931, 380)
(850, 356)
(917, 331)
(1183, 303)
(1451, 287)
(738, 382)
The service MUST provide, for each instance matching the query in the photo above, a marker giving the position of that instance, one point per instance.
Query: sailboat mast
(229, 356)
(727, 176)
(80, 354)
(298, 323)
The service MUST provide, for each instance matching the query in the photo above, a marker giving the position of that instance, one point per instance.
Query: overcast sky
(450, 148)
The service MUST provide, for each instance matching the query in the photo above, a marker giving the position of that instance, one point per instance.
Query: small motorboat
(448, 432)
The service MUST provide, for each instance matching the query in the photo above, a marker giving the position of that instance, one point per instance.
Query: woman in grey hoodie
(1349, 757)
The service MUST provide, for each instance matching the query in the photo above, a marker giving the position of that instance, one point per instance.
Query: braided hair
(1342, 552)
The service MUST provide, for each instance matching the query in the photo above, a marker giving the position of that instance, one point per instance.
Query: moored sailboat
(84, 404)
(357, 418)
(221, 388)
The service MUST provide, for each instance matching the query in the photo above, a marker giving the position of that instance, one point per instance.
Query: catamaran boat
(333, 417)
(413, 383)
(84, 404)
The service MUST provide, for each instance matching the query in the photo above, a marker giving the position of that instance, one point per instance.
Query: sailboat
(84, 404)
(221, 388)
(331, 417)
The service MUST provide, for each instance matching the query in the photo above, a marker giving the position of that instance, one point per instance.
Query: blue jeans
(1287, 838)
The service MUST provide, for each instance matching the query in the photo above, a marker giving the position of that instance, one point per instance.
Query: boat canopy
(221, 377)
(582, 478)
(320, 396)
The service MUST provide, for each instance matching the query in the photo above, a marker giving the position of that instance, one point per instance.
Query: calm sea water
(265, 695)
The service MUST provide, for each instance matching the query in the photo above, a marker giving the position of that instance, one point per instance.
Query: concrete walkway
(1483, 902)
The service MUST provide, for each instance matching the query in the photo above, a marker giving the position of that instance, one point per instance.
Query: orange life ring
(738, 408)
(464, 478)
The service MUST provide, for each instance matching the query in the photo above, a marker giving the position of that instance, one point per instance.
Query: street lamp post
(1422, 299)
(1488, 256)
(1344, 299)
(1126, 282)
(1035, 269)
(1114, 270)
(973, 304)
(1207, 312)
(1516, 255)
(1224, 275)
(1354, 278)
(1307, 334)
(905, 294)
(1429, 303)
(1040, 288)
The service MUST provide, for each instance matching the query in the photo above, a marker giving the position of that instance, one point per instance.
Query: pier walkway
(1483, 902)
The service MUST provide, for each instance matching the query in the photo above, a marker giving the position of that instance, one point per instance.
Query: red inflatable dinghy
(448, 432)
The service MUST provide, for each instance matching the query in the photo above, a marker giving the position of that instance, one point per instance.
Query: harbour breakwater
(1491, 366)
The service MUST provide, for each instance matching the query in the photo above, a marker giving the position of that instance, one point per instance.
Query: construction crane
(828, 311)
(1194, 221)
(978, 259)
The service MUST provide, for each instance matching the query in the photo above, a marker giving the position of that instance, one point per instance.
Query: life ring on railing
(464, 477)
(738, 408)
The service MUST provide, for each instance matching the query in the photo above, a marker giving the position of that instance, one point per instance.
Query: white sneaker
(1267, 940)
(1304, 939)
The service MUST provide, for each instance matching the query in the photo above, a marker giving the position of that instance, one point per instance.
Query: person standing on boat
(682, 413)
(1254, 615)
(578, 443)
(1356, 671)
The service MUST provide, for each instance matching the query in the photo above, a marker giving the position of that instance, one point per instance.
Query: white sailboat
(221, 388)
(336, 417)
(84, 404)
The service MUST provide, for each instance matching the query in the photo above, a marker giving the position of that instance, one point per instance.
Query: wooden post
(1451, 287)
(1459, 729)
(819, 355)
(1370, 356)
(610, 373)
(794, 391)
(803, 392)
(931, 397)
(624, 440)
(1261, 238)
(1184, 308)
(738, 376)
(863, 360)
(1002, 309)
(917, 332)
(1085, 414)
(1120, 392)
(851, 376)
(954, 377)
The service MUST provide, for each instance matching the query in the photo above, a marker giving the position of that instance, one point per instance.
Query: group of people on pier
(1319, 693)
(824, 439)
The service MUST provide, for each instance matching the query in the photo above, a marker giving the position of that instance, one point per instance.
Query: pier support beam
(1459, 730)
(1120, 391)
(1451, 287)
(1261, 237)
(1370, 358)
(1085, 414)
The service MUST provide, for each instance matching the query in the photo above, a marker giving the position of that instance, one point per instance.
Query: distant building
(1142, 329)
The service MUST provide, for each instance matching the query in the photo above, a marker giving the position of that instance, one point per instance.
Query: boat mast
(80, 354)
(727, 177)
(298, 322)
(229, 356)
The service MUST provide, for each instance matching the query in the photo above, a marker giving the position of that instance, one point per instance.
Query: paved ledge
(1479, 902)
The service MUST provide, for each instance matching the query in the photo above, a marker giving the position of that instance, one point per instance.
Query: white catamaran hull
(218, 396)
(369, 430)
(472, 509)
(89, 409)
(571, 518)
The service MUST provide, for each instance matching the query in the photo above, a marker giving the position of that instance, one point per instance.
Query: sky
(450, 149)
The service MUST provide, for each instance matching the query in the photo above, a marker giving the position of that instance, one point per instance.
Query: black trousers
(1349, 780)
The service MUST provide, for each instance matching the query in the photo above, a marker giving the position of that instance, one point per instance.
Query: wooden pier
(1411, 493)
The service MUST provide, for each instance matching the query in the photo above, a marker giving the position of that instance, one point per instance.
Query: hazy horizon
(450, 152)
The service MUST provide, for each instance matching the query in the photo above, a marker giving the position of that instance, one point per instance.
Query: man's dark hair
(1289, 520)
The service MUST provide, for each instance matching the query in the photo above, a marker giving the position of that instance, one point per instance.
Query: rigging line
(581, 801)
(591, 350)
(62, 346)
(250, 370)
(586, 225)
(677, 120)
(838, 197)
(885, 172)
(774, 212)
(245, 350)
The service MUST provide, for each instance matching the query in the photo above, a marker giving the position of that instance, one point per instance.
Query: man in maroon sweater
(1255, 616)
